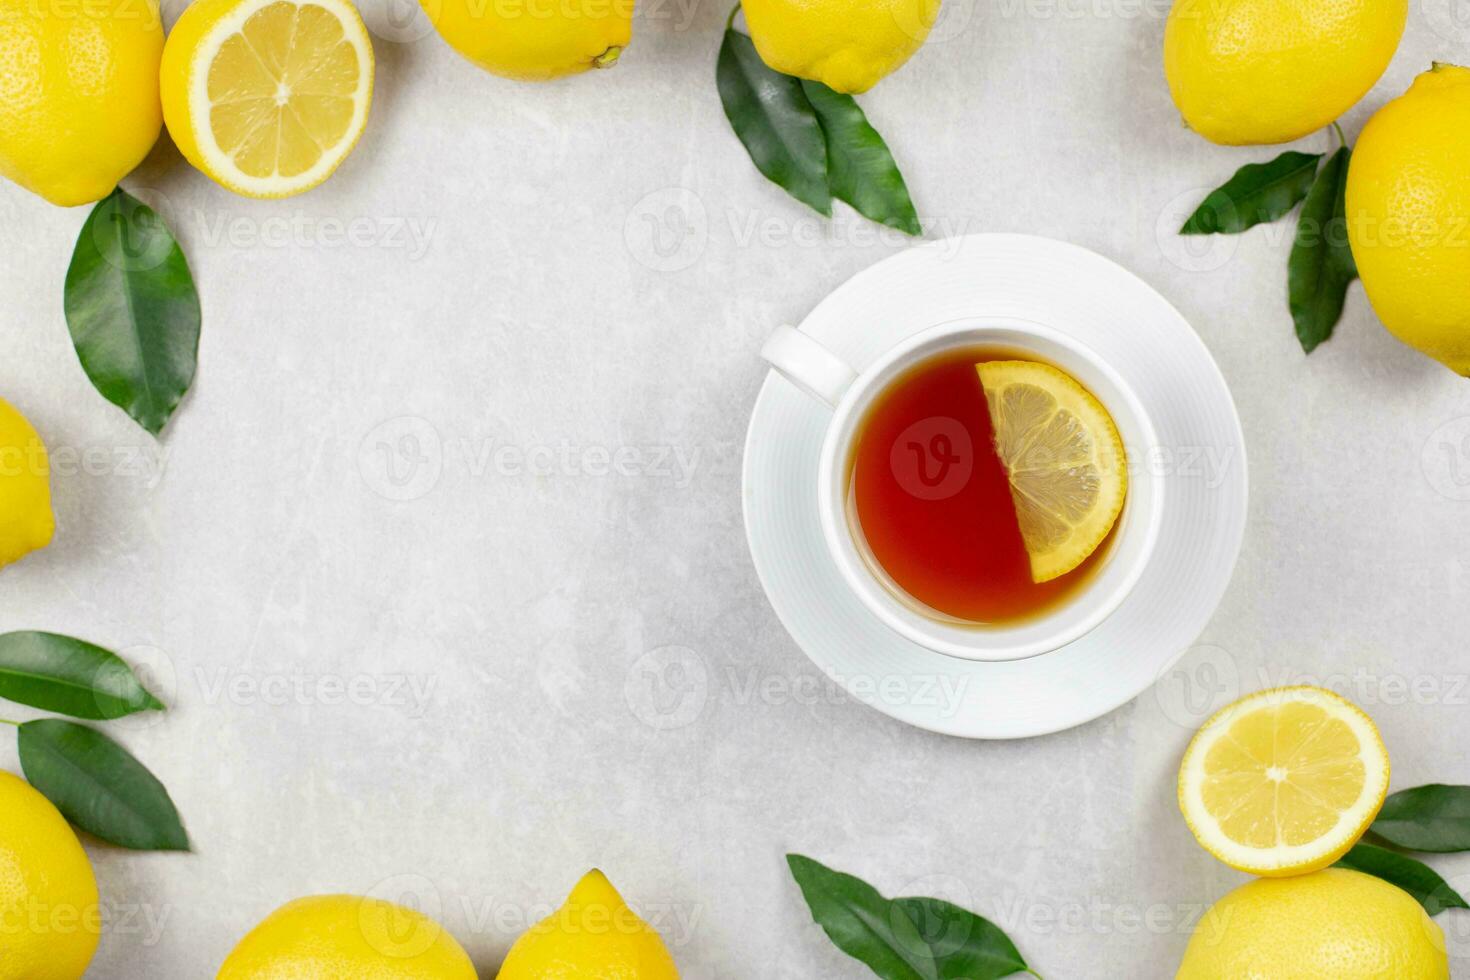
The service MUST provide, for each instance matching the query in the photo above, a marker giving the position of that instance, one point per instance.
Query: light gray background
(600, 680)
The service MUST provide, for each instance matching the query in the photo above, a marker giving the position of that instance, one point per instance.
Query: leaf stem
(1342, 140)
(7, 721)
(730, 21)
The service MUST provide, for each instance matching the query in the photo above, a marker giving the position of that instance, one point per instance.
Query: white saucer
(1144, 339)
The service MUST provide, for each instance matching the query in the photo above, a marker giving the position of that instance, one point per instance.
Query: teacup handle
(809, 365)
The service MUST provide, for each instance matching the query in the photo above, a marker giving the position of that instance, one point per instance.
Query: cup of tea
(983, 485)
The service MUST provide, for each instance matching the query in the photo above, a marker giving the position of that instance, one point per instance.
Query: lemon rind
(220, 165)
(1285, 860)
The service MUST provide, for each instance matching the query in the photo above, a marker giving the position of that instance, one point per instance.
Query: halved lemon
(267, 97)
(1066, 464)
(1284, 781)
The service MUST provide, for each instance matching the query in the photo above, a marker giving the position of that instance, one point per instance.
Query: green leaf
(1258, 192)
(966, 947)
(1426, 818)
(1321, 265)
(907, 938)
(771, 115)
(60, 673)
(99, 787)
(1414, 877)
(860, 170)
(132, 310)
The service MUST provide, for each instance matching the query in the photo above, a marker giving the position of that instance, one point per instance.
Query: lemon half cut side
(1064, 459)
(267, 97)
(1283, 781)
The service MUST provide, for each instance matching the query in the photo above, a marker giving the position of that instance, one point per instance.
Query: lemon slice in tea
(267, 97)
(1064, 459)
(1284, 781)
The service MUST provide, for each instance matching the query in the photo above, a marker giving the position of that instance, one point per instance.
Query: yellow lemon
(26, 523)
(1408, 209)
(1061, 450)
(49, 917)
(846, 46)
(594, 936)
(267, 97)
(1333, 923)
(1283, 781)
(347, 937)
(535, 40)
(78, 94)
(1269, 71)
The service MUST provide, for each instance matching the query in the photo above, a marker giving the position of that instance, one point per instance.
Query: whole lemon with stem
(535, 40)
(848, 47)
(347, 936)
(50, 920)
(1270, 71)
(1408, 211)
(78, 94)
(593, 936)
(1331, 923)
(26, 522)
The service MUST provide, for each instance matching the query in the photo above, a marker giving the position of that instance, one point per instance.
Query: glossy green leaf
(99, 786)
(906, 938)
(1258, 192)
(1321, 265)
(966, 946)
(1426, 818)
(772, 117)
(60, 673)
(860, 170)
(1414, 877)
(132, 310)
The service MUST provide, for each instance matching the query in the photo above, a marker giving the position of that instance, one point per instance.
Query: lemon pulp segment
(1064, 459)
(1284, 781)
(275, 92)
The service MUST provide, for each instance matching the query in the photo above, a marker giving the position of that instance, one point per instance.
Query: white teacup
(828, 378)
